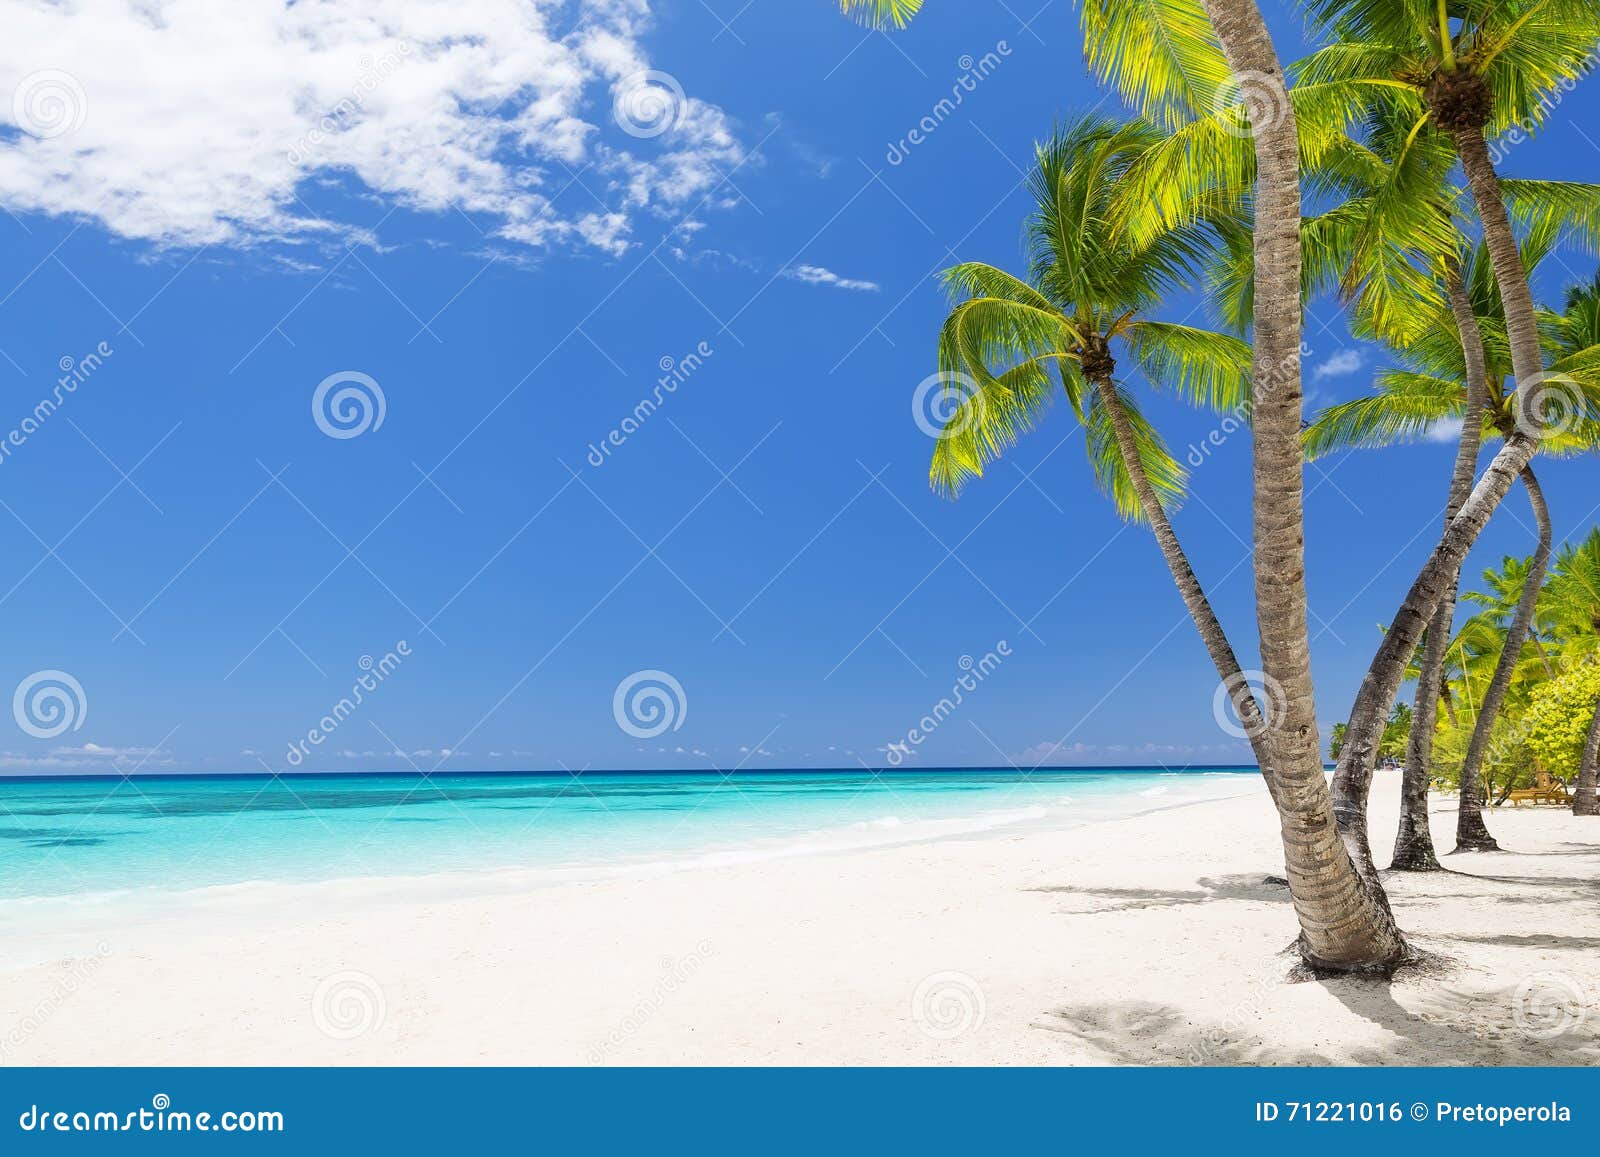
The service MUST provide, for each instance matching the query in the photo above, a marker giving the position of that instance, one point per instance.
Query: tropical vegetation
(1385, 131)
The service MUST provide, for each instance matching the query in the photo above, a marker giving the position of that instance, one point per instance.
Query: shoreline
(904, 825)
(1006, 947)
(67, 923)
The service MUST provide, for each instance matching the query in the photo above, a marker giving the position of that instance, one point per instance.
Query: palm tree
(1165, 58)
(1574, 592)
(1345, 918)
(1477, 69)
(1453, 376)
(1526, 578)
(1496, 69)
(1083, 306)
(1084, 303)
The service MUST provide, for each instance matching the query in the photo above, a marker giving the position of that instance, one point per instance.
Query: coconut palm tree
(1392, 51)
(1083, 305)
(1167, 58)
(1445, 375)
(1574, 605)
(1478, 70)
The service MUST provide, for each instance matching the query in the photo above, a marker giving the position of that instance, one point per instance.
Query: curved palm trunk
(1387, 670)
(1194, 596)
(1584, 802)
(1471, 834)
(1354, 777)
(1345, 921)
(1413, 845)
(1522, 321)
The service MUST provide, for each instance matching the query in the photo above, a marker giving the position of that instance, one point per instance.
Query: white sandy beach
(1150, 940)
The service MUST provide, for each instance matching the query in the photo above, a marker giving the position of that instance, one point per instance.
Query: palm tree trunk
(1584, 802)
(1345, 921)
(1413, 845)
(1471, 834)
(1194, 596)
(1522, 320)
(1387, 671)
(1354, 776)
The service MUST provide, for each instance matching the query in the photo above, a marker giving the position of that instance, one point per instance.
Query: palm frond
(1206, 368)
(881, 13)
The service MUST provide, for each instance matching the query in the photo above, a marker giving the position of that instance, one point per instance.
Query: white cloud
(1339, 364)
(87, 757)
(95, 749)
(193, 122)
(1444, 430)
(817, 275)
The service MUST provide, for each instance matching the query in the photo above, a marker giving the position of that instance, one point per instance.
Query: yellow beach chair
(1546, 789)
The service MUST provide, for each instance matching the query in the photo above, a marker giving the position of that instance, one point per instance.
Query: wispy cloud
(1339, 364)
(1444, 430)
(817, 275)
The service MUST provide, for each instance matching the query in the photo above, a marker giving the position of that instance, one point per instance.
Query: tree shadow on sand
(1141, 1032)
(1245, 886)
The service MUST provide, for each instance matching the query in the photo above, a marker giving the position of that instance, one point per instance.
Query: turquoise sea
(103, 837)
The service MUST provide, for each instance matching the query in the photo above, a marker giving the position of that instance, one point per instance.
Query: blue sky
(513, 271)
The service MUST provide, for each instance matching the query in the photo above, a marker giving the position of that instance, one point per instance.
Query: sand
(1148, 940)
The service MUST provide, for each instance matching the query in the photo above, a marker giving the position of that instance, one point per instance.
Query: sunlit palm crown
(1430, 386)
(1521, 51)
(1010, 341)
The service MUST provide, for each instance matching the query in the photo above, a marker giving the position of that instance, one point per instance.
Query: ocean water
(105, 838)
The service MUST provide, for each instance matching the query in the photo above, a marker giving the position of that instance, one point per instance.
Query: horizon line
(557, 772)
